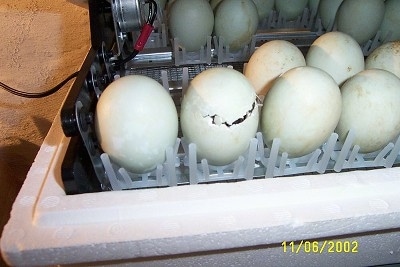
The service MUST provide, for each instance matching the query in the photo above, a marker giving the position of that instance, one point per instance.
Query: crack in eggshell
(218, 120)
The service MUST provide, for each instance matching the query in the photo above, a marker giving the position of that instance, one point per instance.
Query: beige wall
(41, 43)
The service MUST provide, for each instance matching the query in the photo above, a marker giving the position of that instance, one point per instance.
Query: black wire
(41, 94)
(152, 11)
(128, 58)
(150, 20)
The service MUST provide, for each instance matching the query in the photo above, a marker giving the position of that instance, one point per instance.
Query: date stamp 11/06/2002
(319, 247)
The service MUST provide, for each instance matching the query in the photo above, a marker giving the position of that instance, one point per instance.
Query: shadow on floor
(15, 162)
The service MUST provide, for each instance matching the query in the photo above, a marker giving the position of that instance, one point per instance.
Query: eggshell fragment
(371, 109)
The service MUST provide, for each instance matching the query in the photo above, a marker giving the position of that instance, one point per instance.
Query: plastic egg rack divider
(260, 161)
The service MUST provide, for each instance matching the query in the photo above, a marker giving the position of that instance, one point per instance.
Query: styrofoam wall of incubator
(202, 223)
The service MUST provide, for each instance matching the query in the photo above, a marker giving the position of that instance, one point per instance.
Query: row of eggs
(290, 9)
(362, 19)
(236, 21)
(191, 21)
(136, 118)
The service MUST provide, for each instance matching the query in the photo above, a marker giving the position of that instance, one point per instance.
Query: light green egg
(290, 9)
(236, 22)
(191, 21)
(360, 19)
(391, 21)
(327, 11)
(264, 8)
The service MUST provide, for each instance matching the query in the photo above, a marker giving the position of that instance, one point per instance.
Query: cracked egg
(220, 115)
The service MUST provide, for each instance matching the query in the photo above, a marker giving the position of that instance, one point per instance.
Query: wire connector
(143, 37)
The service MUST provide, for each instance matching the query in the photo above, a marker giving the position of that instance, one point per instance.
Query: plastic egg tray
(259, 162)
